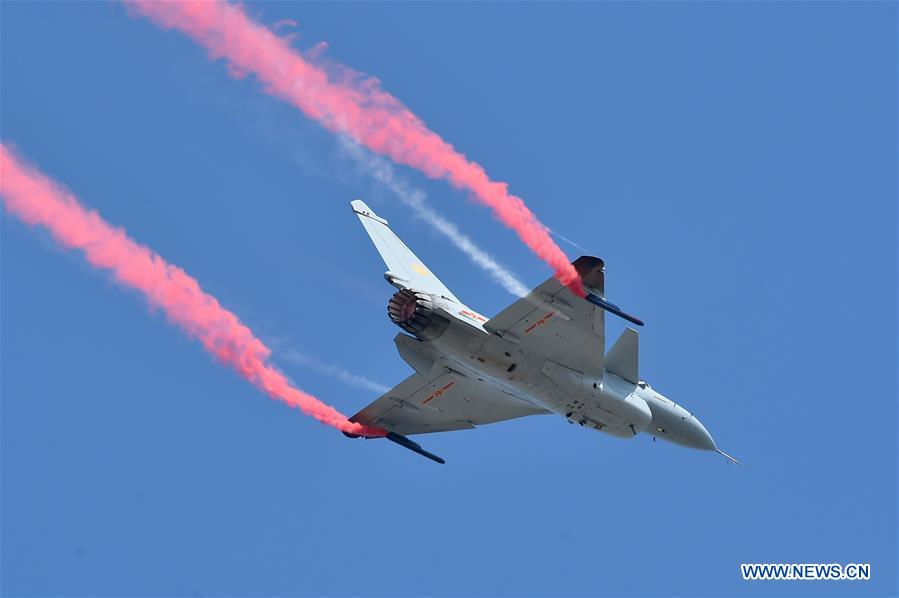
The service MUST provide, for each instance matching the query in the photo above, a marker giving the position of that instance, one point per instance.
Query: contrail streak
(343, 101)
(384, 173)
(347, 377)
(37, 200)
(564, 238)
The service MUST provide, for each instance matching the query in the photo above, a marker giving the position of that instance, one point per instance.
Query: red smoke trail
(37, 200)
(343, 102)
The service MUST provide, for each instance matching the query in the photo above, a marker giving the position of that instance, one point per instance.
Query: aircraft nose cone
(697, 436)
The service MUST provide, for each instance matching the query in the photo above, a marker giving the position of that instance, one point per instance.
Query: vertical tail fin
(404, 269)
(623, 358)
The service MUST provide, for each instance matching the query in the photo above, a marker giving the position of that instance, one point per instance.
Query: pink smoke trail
(344, 102)
(37, 200)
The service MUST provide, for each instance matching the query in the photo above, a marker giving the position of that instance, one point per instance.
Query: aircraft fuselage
(544, 353)
(606, 403)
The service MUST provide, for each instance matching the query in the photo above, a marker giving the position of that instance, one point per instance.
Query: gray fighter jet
(542, 354)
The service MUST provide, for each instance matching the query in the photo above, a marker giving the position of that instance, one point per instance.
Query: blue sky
(734, 164)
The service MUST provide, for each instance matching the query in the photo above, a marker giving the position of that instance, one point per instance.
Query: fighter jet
(543, 354)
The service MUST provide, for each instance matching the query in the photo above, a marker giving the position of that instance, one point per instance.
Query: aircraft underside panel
(553, 322)
(446, 400)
